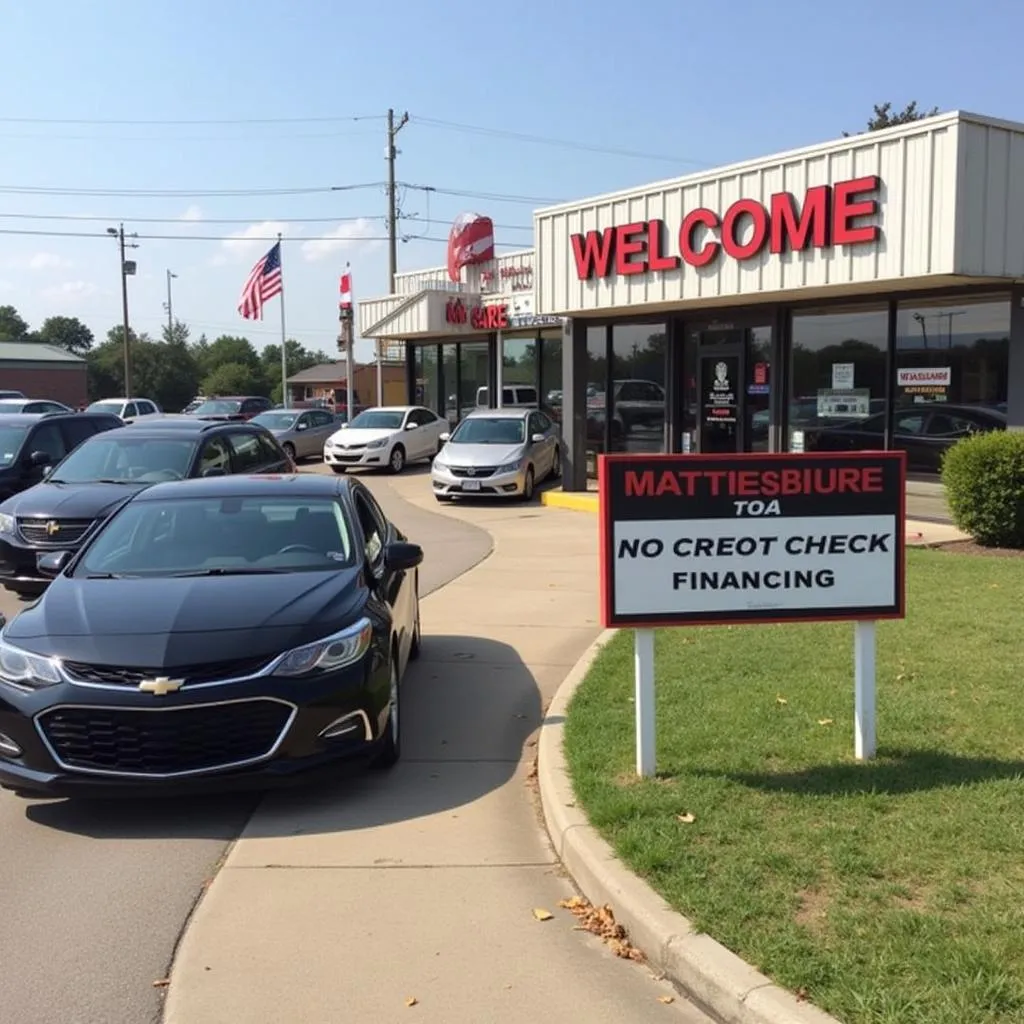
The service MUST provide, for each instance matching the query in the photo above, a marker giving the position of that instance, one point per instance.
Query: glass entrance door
(719, 383)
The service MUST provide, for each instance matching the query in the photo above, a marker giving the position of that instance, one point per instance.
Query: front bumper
(18, 568)
(89, 739)
(452, 482)
(356, 456)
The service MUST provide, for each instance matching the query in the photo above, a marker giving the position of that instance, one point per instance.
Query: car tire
(289, 450)
(556, 465)
(527, 494)
(389, 749)
(396, 461)
(338, 469)
(417, 636)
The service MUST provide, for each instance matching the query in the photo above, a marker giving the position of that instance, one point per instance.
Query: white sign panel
(933, 376)
(842, 376)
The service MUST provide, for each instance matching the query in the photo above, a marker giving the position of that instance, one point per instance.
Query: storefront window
(428, 380)
(519, 368)
(450, 382)
(837, 379)
(597, 383)
(638, 388)
(759, 383)
(551, 376)
(474, 379)
(953, 354)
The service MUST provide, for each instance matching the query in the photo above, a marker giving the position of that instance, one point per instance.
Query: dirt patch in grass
(970, 547)
(890, 892)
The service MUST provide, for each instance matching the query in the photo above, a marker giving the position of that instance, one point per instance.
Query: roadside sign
(699, 540)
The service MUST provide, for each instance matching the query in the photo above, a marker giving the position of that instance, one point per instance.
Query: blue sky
(682, 85)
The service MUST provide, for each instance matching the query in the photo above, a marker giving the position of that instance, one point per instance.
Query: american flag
(263, 284)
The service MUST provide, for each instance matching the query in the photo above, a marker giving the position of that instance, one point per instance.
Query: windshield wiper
(108, 576)
(236, 570)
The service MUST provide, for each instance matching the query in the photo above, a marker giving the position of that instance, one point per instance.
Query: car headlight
(509, 467)
(25, 670)
(339, 649)
(379, 443)
(6, 523)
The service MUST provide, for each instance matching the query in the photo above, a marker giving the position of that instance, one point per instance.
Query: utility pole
(168, 306)
(392, 152)
(127, 268)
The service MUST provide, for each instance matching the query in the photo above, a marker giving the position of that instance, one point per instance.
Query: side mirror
(344, 425)
(52, 563)
(300, 426)
(444, 438)
(537, 438)
(38, 459)
(401, 555)
(411, 426)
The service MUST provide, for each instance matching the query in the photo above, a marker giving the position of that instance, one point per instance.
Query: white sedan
(386, 437)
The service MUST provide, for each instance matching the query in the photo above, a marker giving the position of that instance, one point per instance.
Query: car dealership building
(867, 293)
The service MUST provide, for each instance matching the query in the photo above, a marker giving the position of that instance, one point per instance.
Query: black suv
(32, 442)
(80, 492)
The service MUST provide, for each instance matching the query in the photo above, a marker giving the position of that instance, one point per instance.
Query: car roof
(295, 485)
(231, 398)
(506, 412)
(25, 419)
(176, 427)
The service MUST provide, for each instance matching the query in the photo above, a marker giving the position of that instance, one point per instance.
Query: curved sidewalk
(411, 896)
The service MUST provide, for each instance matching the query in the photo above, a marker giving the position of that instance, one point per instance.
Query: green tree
(299, 358)
(883, 116)
(229, 349)
(66, 332)
(234, 379)
(12, 326)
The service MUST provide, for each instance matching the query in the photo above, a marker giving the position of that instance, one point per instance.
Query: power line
(492, 197)
(542, 140)
(164, 139)
(212, 121)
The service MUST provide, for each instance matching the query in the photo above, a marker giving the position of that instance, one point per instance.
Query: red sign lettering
(481, 318)
(830, 215)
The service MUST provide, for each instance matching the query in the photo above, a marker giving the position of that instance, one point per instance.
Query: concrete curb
(703, 969)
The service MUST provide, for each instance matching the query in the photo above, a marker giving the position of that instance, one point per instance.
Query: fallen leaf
(801, 994)
(686, 819)
(411, 1001)
(781, 700)
(825, 721)
(162, 983)
(541, 914)
(666, 999)
(600, 921)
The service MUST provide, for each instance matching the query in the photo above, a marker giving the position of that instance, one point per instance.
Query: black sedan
(925, 432)
(215, 633)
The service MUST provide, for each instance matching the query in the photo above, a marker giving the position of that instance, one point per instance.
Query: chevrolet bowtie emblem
(161, 686)
(52, 528)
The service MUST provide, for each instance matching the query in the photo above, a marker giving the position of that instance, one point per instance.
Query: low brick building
(43, 371)
(328, 379)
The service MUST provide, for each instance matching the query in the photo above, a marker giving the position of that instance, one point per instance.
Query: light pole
(127, 267)
(168, 306)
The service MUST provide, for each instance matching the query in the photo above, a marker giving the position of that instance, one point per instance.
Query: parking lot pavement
(95, 896)
(416, 892)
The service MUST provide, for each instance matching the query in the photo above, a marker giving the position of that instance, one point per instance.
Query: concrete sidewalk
(411, 896)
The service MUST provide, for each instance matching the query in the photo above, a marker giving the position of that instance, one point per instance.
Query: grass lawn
(890, 892)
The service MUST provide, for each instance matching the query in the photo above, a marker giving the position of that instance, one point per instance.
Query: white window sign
(842, 376)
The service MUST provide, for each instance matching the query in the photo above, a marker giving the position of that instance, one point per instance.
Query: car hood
(70, 501)
(163, 623)
(352, 436)
(480, 454)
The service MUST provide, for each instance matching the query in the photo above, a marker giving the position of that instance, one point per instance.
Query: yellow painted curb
(575, 500)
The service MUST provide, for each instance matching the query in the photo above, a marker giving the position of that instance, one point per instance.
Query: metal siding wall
(990, 201)
(918, 201)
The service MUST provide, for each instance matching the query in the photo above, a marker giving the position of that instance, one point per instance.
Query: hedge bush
(984, 479)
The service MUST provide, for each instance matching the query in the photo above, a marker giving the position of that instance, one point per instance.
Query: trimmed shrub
(984, 479)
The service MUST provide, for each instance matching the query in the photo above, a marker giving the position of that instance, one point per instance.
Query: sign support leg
(864, 690)
(643, 666)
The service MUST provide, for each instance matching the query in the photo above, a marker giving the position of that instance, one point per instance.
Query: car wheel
(390, 749)
(397, 461)
(556, 465)
(528, 485)
(289, 450)
(338, 469)
(414, 647)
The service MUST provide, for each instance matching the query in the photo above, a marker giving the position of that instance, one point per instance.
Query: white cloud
(248, 243)
(192, 213)
(70, 290)
(349, 235)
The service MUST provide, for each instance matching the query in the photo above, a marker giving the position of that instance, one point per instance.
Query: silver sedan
(300, 432)
(497, 453)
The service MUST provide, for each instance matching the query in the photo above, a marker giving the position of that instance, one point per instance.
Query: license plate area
(471, 485)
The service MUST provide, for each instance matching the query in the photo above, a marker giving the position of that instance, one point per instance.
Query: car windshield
(11, 439)
(220, 407)
(220, 537)
(126, 460)
(114, 407)
(276, 420)
(12, 405)
(490, 430)
(378, 419)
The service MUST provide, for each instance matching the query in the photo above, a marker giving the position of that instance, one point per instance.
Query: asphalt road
(95, 895)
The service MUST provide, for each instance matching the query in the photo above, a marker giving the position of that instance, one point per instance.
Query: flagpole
(284, 337)
(350, 369)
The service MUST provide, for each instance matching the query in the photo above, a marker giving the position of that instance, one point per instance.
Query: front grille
(476, 471)
(118, 675)
(54, 532)
(164, 742)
